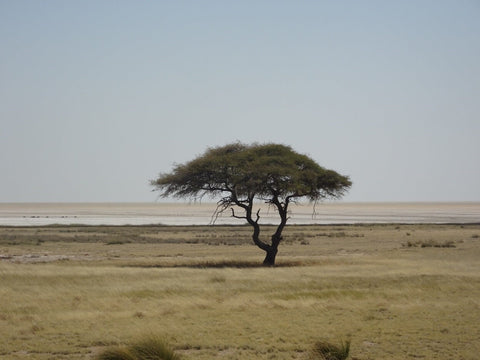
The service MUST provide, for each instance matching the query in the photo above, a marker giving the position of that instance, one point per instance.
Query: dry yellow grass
(68, 292)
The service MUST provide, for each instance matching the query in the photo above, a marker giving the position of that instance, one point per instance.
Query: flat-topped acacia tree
(239, 174)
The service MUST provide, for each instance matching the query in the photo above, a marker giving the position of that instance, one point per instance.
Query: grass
(324, 350)
(74, 297)
(116, 354)
(150, 348)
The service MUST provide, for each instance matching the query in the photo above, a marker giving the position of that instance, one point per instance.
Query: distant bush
(445, 244)
(117, 242)
(323, 350)
(151, 348)
(340, 234)
(430, 243)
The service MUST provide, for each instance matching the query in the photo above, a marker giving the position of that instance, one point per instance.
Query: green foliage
(252, 170)
(324, 350)
(151, 348)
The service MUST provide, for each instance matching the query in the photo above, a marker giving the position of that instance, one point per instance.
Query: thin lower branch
(222, 205)
(314, 211)
(237, 216)
(258, 216)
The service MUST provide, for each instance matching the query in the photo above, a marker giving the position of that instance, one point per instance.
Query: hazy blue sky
(97, 97)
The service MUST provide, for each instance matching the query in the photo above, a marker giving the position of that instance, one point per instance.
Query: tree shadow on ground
(226, 264)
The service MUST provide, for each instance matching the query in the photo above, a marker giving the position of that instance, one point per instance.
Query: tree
(240, 174)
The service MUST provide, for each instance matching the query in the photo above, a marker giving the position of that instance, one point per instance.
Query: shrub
(430, 243)
(151, 348)
(323, 350)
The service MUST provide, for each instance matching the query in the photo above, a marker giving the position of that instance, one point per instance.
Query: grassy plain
(396, 291)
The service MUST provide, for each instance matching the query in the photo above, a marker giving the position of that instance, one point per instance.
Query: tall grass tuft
(323, 350)
(151, 348)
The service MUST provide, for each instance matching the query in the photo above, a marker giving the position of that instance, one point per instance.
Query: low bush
(430, 243)
(445, 244)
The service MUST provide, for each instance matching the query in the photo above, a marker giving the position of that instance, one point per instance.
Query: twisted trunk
(271, 249)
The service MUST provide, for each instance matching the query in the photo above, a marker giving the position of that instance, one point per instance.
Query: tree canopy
(239, 174)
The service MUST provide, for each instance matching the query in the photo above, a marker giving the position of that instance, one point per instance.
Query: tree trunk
(272, 249)
(270, 257)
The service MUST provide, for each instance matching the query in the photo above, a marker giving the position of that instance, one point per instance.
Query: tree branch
(236, 216)
(222, 205)
(258, 216)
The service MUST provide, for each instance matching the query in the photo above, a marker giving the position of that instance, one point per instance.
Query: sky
(98, 97)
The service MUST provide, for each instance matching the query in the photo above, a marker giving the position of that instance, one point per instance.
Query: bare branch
(314, 212)
(236, 216)
(258, 216)
(222, 205)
